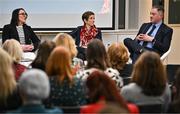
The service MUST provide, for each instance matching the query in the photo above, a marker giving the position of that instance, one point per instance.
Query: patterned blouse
(112, 73)
(65, 94)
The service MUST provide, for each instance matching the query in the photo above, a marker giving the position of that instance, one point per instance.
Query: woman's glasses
(24, 14)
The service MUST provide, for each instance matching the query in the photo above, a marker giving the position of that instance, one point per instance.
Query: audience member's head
(18, 15)
(7, 81)
(14, 49)
(45, 49)
(34, 86)
(118, 55)
(102, 87)
(59, 64)
(96, 55)
(87, 16)
(64, 39)
(149, 73)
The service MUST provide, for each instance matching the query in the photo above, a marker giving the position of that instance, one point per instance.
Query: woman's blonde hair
(14, 49)
(7, 81)
(118, 55)
(59, 64)
(64, 39)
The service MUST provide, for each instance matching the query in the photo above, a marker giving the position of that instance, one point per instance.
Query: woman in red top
(84, 34)
(102, 90)
(15, 50)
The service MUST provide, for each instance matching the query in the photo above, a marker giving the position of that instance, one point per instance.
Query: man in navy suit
(153, 36)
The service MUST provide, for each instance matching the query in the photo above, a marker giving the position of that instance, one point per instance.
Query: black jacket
(162, 38)
(10, 31)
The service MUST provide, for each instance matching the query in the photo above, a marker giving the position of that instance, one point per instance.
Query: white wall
(144, 11)
(174, 57)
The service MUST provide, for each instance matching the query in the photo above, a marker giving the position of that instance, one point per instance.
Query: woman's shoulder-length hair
(100, 86)
(14, 49)
(15, 15)
(45, 49)
(118, 55)
(7, 82)
(150, 74)
(64, 39)
(96, 55)
(59, 64)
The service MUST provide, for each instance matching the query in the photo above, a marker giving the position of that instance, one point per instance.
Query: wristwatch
(154, 40)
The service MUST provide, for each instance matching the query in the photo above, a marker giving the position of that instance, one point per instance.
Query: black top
(126, 71)
(162, 38)
(38, 65)
(12, 102)
(10, 31)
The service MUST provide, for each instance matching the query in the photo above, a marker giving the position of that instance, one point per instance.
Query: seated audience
(64, 39)
(175, 105)
(14, 49)
(149, 82)
(45, 49)
(66, 88)
(20, 31)
(34, 87)
(119, 56)
(101, 90)
(97, 58)
(9, 97)
(84, 34)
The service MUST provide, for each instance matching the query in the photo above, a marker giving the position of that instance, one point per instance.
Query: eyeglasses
(24, 14)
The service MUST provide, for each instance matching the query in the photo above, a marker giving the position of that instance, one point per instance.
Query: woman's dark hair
(150, 74)
(15, 15)
(96, 55)
(100, 86)
(87, 14)
(45, 49)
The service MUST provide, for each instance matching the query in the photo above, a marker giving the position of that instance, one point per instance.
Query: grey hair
(34, 84)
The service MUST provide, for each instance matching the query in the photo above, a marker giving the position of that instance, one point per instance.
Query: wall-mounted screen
(59, 14)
